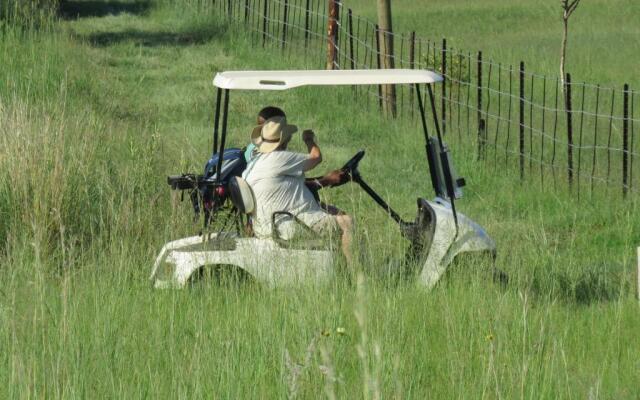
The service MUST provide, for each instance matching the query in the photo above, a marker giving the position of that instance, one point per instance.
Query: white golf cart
(437, 235)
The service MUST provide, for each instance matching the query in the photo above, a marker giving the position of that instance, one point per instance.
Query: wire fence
(511, 117)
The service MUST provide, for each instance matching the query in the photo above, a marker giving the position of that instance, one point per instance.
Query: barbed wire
(481, 91)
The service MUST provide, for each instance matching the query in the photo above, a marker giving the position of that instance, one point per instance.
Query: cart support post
(435, 113)
(423, 117)
(225, 114)
(444, 159)
(216, 121)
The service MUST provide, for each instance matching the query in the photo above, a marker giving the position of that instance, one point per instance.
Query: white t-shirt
(277, 181)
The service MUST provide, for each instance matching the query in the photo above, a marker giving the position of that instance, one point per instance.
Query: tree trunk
(386, 50)
(563, 48)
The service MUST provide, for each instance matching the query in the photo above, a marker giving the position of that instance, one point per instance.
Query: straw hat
(275, 131)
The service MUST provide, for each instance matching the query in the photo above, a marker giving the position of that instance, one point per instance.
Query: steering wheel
(351, 167)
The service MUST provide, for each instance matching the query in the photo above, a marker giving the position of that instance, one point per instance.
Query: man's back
(277, 181)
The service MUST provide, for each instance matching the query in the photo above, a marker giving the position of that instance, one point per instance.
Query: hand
(308, 136)
(335, 178)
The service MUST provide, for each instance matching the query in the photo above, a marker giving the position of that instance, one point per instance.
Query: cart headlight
(165, 271)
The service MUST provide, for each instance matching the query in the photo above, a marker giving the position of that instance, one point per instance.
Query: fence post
(444, 86)
(379, 63)
(479, 100)
(569, 131)
(285, 19)
(482, 128)
(246, 12)
(521, 130)
(625, 141)
(412, 64)
(265, 10)
(351, 49)
(307, 17)
(332, 33)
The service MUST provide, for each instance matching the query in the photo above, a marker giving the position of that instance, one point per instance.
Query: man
(331, 179)
(276, 176)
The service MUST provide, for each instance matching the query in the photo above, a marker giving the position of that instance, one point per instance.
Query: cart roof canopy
(282, 80)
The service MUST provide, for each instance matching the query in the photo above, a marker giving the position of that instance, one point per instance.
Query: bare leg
(331, 209)
(346, 225)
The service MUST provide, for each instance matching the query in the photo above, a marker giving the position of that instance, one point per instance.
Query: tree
(568, 7)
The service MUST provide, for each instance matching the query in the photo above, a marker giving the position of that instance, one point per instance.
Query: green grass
(97, 113)
(602, 43)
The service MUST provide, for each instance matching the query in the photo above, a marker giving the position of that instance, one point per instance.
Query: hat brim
(268, 147)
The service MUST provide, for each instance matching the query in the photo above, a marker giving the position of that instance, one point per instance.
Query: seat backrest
(242, 195)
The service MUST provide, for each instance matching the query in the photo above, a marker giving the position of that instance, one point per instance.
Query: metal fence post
(625, 141)
(412, 64)
(285, 19)
(444, 86)
(351, 49)
(265, 10)
(307, 19)
(379, 63)
(569, 131)
(521, 131)
(479, 101)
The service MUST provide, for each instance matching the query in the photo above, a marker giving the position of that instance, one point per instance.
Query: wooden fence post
(521, 130)
(625, 142)
(569, 131)
(332, 33)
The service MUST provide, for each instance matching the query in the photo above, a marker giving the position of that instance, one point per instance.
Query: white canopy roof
(282, 80)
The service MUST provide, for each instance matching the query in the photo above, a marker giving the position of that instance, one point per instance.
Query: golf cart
(437, 235)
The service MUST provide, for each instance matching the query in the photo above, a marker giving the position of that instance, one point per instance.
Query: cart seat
(288, 230)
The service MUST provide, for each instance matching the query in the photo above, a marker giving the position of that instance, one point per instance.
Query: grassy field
(603, 37)
(98, 111)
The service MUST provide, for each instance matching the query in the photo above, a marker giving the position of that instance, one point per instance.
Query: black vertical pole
(521, 120)
(625, 141)
(569, 130)
(479, 100)
(246, 12)
(265, 10)
(307, 12)
(377, 33)
(285, 19)
(444, 86)
(412, 64)
(225, 114)
(216, 121)
(351, 49)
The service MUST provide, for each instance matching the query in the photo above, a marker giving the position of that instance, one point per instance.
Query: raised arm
(315, 156)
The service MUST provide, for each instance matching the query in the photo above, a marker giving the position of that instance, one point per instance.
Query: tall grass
(98, 111)
(27, 14)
